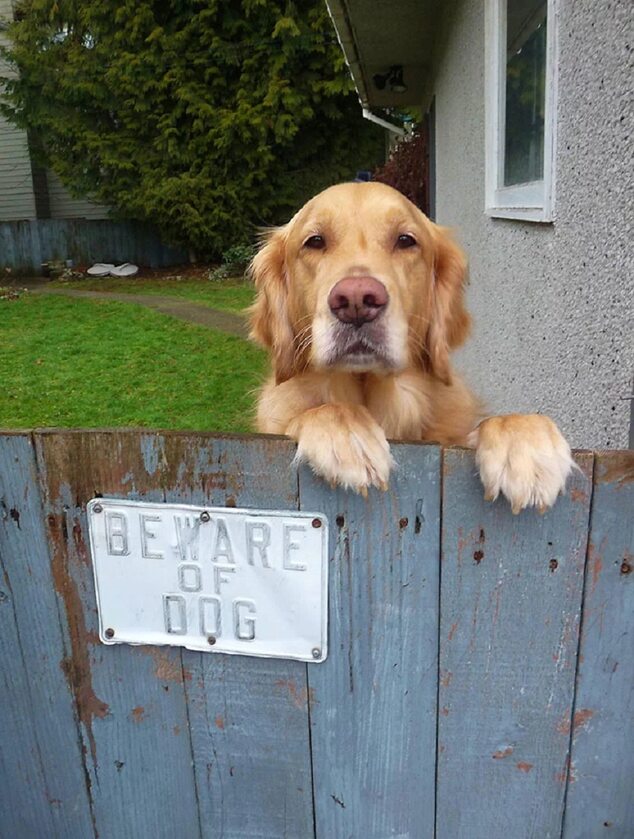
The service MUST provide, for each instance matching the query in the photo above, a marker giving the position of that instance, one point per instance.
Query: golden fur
(341, 407)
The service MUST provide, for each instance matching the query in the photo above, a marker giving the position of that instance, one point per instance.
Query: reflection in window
(525, 91)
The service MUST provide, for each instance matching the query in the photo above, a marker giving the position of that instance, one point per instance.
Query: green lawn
(76, 363)
(229, 296)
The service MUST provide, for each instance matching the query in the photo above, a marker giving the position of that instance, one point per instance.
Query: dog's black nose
(357, 300)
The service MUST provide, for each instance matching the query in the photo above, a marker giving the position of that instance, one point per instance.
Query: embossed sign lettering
(205, 557)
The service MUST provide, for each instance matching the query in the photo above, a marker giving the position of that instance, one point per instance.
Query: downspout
(367, 114)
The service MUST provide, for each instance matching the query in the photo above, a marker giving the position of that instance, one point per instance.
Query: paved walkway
(177, 307)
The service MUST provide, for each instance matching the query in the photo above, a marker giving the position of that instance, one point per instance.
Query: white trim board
(527, 202)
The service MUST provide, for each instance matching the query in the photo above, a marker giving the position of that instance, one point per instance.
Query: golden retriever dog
(360, 301)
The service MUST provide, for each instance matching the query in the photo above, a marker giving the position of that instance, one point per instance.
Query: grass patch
(228, 296)
(75, 363)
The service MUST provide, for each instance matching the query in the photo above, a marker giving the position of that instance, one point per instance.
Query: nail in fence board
(511, 590)
(130, 700)
(43, 789)
(601, 784)
(373, 702)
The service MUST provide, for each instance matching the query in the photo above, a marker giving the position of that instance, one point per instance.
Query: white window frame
(531, 201)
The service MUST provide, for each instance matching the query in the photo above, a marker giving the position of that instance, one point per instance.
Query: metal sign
(245, 582)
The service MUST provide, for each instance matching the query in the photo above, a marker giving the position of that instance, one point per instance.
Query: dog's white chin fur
(388, 356)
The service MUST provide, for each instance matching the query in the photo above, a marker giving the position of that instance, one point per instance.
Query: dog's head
(359, 280)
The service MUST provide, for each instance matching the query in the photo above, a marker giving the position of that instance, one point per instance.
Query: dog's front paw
(525, 457)
(344, 445)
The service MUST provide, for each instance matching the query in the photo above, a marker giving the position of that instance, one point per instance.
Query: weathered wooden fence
(478, 684)
(25, 245)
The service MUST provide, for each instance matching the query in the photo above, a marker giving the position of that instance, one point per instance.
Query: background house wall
(552, 303)
(63, 205)
(20, 180)
(17, 199)
(16, 181)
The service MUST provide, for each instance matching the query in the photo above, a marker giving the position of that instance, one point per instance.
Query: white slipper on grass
(100, 269)
(125, 270)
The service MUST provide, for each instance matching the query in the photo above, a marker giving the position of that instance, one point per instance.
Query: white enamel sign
(247, 582)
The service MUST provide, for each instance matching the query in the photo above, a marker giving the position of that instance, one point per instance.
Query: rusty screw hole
(109, 633)
(478, 556)
(553, 564)
(403, 523)
(340, 521)
(316, 522)
(211, 640)
(626, 568)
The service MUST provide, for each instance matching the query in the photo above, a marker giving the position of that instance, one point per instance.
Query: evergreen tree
(207, 117)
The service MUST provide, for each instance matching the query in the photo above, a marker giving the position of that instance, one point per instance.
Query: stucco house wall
(552, 303)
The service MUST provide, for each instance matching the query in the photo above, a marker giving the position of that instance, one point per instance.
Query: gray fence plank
(130, 700)
(600, 798)
(511, 593)
(44, 790)
(373, 702)
(248, 716)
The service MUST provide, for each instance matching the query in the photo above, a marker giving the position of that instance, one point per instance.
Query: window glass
(525, 91)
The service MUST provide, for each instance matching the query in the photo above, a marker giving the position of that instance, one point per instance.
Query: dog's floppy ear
(449, 321)
(269, 317)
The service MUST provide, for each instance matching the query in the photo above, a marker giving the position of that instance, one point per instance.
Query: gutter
(395, 129)
(345, 34)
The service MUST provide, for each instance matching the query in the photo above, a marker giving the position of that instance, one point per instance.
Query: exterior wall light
(393, 80)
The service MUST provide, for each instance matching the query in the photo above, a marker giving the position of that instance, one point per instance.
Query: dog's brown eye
(405, 241)
(317, 243)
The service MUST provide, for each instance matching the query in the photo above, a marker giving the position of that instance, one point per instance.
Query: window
(520, 112)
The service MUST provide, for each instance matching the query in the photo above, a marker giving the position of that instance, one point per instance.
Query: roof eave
(343, 27)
